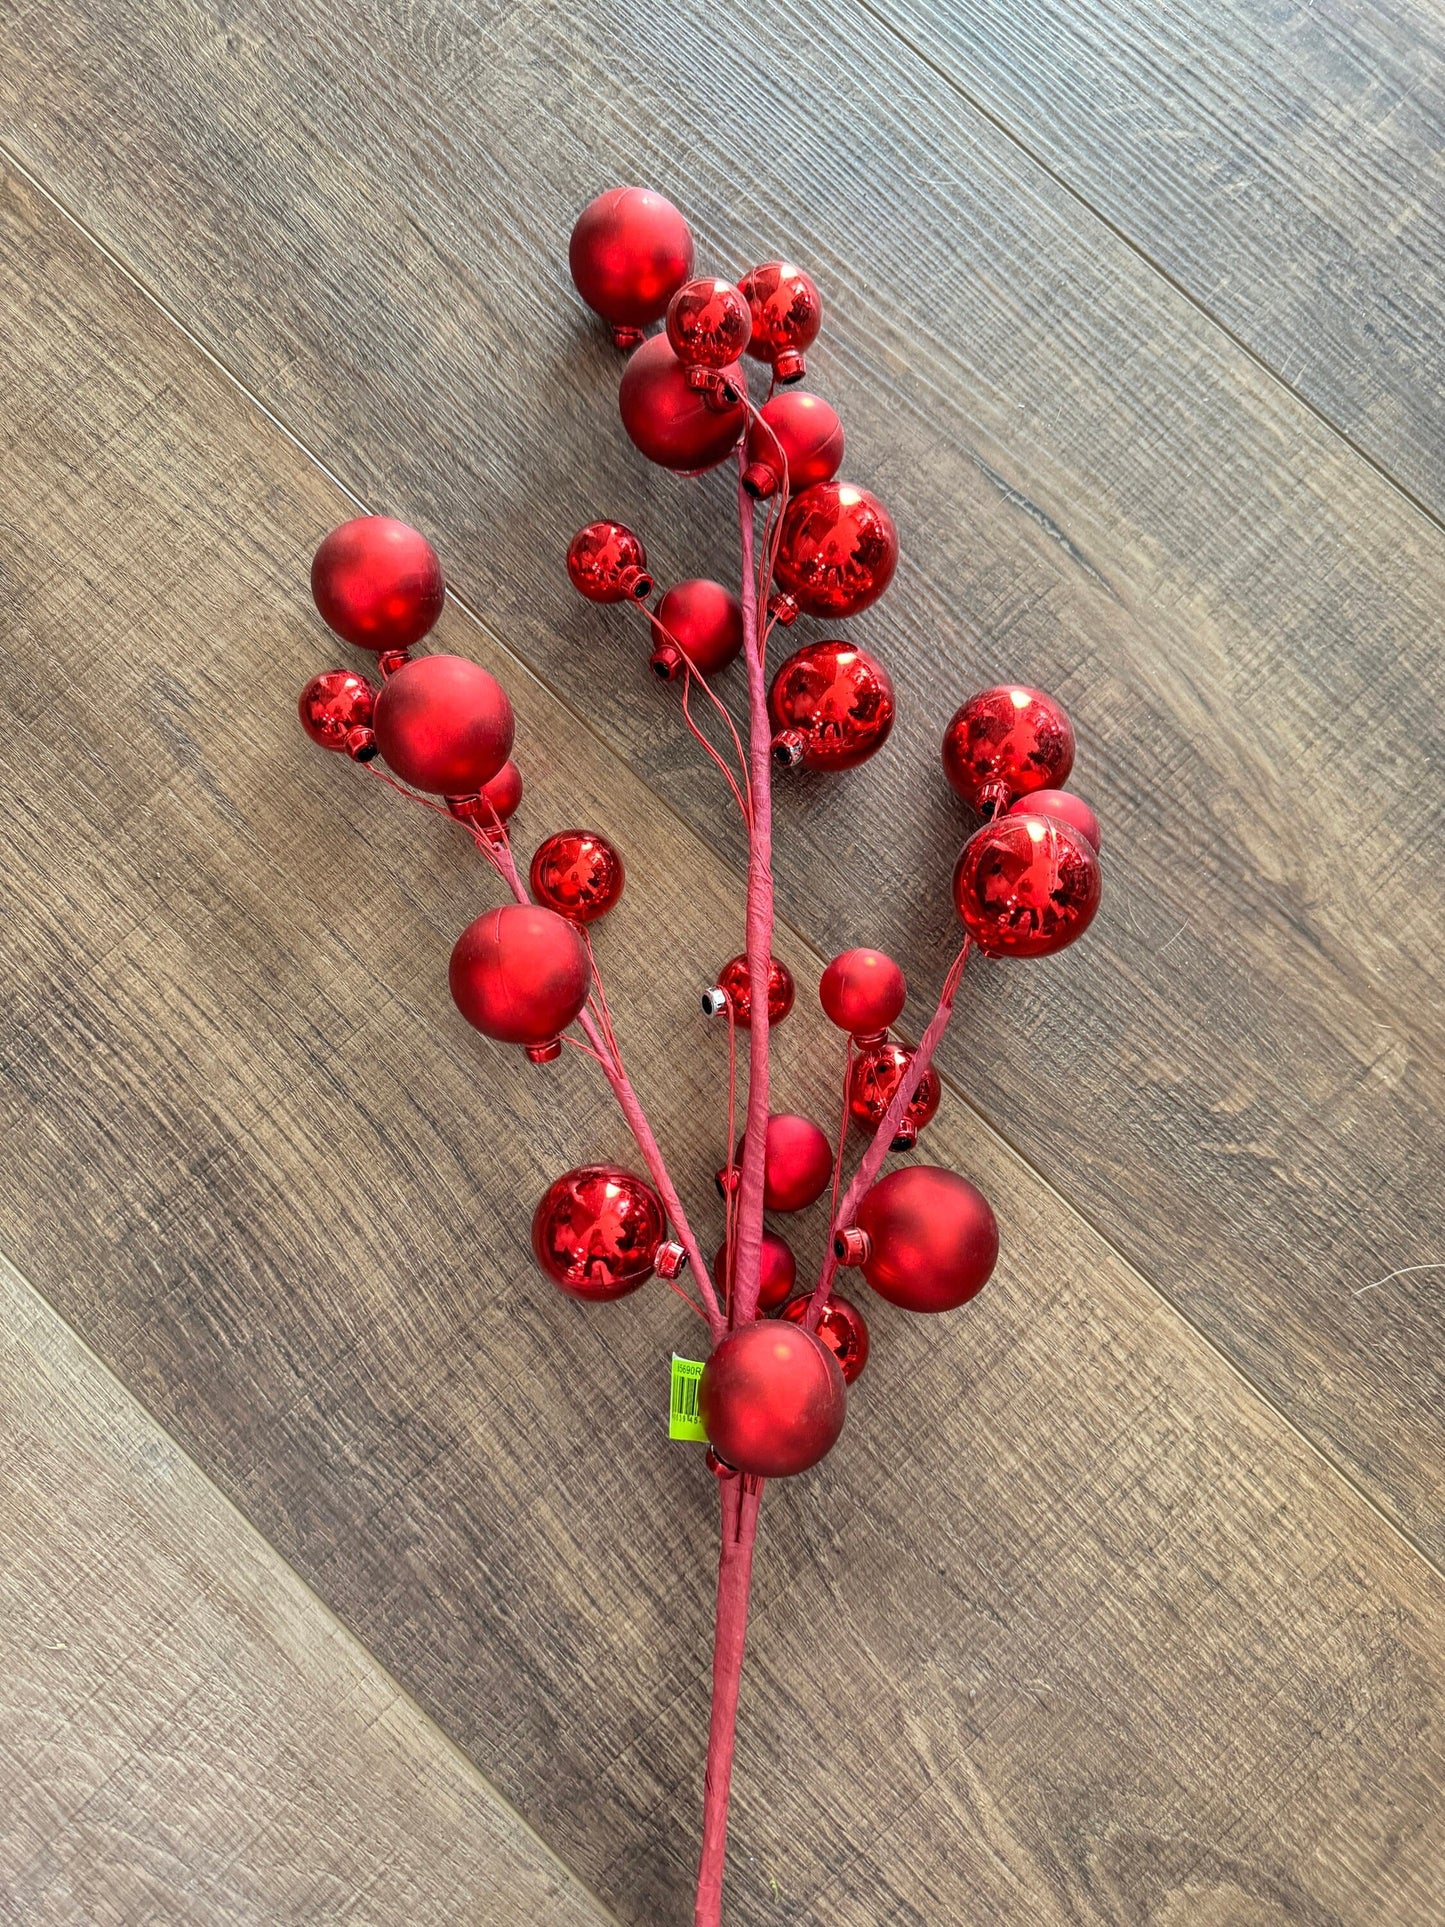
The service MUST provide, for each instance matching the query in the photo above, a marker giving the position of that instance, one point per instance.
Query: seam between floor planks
(1400, 1530)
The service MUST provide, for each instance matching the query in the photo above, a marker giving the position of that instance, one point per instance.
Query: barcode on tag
(683, 1421)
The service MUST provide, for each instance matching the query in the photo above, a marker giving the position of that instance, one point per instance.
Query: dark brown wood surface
(1072, 1626)
(1239, 1080)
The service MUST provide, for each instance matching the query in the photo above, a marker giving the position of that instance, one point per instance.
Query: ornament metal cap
(545, 1053)
(719, 1467)
(782, 608)
(728, 1180)
(906, 1136)
(666, 662)
(637, 583)
(788, 366)
(671, 1260)
(852, 1247)
(869, 1039)
(714, 1001)
(628, 338)
(788, 746)
(390, 660)
(760, 481)
(361, 744)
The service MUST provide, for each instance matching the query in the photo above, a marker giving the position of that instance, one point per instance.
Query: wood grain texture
(1240, 1078)
(186, 1734)
(1070, 1627)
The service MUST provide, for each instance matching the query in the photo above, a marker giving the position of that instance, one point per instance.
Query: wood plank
(186, 1733)
(1240, 1079)
(1069, 1606)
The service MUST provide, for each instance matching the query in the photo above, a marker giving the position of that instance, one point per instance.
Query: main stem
(741, 1497)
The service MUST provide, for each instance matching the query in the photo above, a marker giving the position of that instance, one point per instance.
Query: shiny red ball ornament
(579, 874)
(493, 804)
(797, 1164)
(931, 1238)
(1025, 886)
(444, 725)
(520, 974)
(778, 1274)
(831, 706)
(787, 312)
(1007, 742)
(1064, 807)
(630, 252)
(597, 1230)
(709, 325)
(336, 709)
(735, 979)
(837, 551)
(873, 1083)
(700, 620)
(669, 421)
(772, 1399)
(862, 991)
(378, 583)
(842, 1328)
(801, 428)
(607, 563)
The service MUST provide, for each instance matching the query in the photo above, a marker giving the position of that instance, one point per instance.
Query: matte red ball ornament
(787, 312)
(520, 974)
(863, 992)
(842, 1328)
(336, 709)
(931, 1237)
(1025, 886)
(772, 1399)
(873, 1083)
(837, 551)
(597, 1232)
(735, 979)
(378, 583)
(1006, 742)
(607, 563)
(831, 706)
(777, 1276)
(709, 325)
(579, 874)
(800, 428)
(493, 804)
(630, 252)
(444, 725)
(1064, 807)
(669, 421)
(797, 1164)
(700, 620)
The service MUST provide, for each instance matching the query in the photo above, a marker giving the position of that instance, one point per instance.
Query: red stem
(741, 1497)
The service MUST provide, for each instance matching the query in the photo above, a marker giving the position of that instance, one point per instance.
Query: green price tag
(683, 1421)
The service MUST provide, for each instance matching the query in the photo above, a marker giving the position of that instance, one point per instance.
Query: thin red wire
(842, 1131)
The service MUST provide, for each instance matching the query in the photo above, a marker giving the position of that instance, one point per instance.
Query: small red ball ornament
(778, 1274)
(700, 620)
(378, 583)
(1064, 807)
(495, 802)
(797, 1163)
(607, 563)
(930, 1239)
(831, 706)
(709, 324)
(1006, 742)
(630, 252)
(802, 428)
(863, 992)
(787, 312)
(520, 974)
(579, 874)
(597, 1232)
(772, 1399)
(735, 980)
(444, 725)
(837, 551)
(670, 422)
(842, 1328)
(336, 709)
(873, 1082)
(1025, 886)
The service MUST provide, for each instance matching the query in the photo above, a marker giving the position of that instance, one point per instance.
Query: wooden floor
(344, 1570)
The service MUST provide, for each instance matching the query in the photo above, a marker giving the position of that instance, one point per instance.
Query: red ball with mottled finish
(862, 991)
(842, 1328)
(1026, 886)
(787, 312)
(378, 583)
(797, 1163)
(444, 725)
(837, 551)
(1064, 807)
(520, 974)
(630, 252)
(778, 1273)
(579, 874)
(709, 323)
(831, 706)
(336, 710)
(873, 1083)
(607, 563)
(698, 619)
(673, 424)
(735, 979)
(933, 1239)
(800, 428)
(596, 1232)
(1006, 742)
(772, 1399)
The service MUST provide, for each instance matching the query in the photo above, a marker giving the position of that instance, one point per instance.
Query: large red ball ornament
(520, 974)
(596, 1232)
(837, 551)
(797, 1163)
(831, 706)
(1025, 886)
(1006, 742)
(443, 724)
(709, 324)
(1064, 807)
(700, 620)
(336, 709)
(630, 253)
(873, 1083)
(863, 992)
(579, 874)
(842, 1328)
(772, 1399)
(735, 979)
(378, 583)
(607, 563)
(787, 312)
(932, 1240)
(801, 428)
(673, 424)
(778, 1274)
